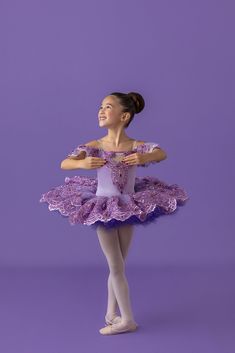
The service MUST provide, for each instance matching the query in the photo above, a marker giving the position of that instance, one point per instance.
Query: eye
(108, 106)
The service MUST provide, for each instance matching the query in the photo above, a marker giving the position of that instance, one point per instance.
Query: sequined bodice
(115, 177)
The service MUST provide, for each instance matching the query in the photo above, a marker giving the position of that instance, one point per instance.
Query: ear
(126, 116)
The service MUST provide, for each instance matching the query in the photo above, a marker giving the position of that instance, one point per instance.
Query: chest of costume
(118, 170)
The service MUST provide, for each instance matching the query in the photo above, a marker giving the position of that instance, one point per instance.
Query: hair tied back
(138, 101)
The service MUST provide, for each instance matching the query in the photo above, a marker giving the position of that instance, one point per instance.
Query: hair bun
(138, 101)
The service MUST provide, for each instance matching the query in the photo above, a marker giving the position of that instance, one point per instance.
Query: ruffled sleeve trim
(90, 151)
(145, 148)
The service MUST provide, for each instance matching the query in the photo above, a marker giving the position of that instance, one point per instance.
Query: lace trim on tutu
(77, 200)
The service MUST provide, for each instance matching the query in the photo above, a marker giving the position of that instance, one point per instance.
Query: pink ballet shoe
(119, 328)
(112, 320)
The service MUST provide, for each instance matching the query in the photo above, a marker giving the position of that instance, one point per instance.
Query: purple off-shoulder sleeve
(90, 151)
(145, 148)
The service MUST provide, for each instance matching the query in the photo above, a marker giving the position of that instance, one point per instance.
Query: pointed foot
(119, 328)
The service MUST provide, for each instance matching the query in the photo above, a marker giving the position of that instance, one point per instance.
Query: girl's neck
(115, 140)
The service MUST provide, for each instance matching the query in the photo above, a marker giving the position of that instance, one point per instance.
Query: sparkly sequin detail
(119, 170)
(90, 151)
(145, 148)
(77, 200)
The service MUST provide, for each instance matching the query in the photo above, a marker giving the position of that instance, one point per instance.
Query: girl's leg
(109, 241)
(125, 234)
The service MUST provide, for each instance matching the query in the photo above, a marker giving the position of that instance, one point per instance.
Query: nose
(102, 111)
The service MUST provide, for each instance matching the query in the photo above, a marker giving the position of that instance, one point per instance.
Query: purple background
(59, 59)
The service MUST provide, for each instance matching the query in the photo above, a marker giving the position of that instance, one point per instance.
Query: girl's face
(110, 112)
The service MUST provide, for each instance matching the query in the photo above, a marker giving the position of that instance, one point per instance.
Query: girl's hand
(92, 162)
(135, 158)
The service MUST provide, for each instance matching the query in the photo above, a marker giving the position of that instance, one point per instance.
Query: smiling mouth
(103, 118)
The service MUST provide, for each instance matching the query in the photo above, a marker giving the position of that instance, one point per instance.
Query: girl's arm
(74, 161)
(157, 155)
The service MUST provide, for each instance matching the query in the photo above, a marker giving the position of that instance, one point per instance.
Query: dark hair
(132, 103)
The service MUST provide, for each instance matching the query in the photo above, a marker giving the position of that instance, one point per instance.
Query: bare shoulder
(82, 154)
(138, 142)
(92, 143)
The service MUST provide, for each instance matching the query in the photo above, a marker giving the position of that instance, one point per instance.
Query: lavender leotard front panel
(106, 186)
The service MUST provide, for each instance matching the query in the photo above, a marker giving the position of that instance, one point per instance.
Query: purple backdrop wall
(59, 60)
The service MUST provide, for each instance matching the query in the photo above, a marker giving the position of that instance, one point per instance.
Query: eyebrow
(109, 104)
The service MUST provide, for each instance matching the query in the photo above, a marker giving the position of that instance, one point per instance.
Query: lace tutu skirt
(77, 200)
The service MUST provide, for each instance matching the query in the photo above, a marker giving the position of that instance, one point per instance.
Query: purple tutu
(77, 200)
(116, 196)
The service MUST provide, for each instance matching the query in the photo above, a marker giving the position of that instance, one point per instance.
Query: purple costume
(116, 196)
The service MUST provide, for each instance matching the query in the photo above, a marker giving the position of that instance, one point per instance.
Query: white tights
(115, 243)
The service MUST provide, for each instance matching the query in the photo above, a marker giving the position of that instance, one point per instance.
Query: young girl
(116, 200)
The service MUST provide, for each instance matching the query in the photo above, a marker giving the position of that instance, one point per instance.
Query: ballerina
(117, 200)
